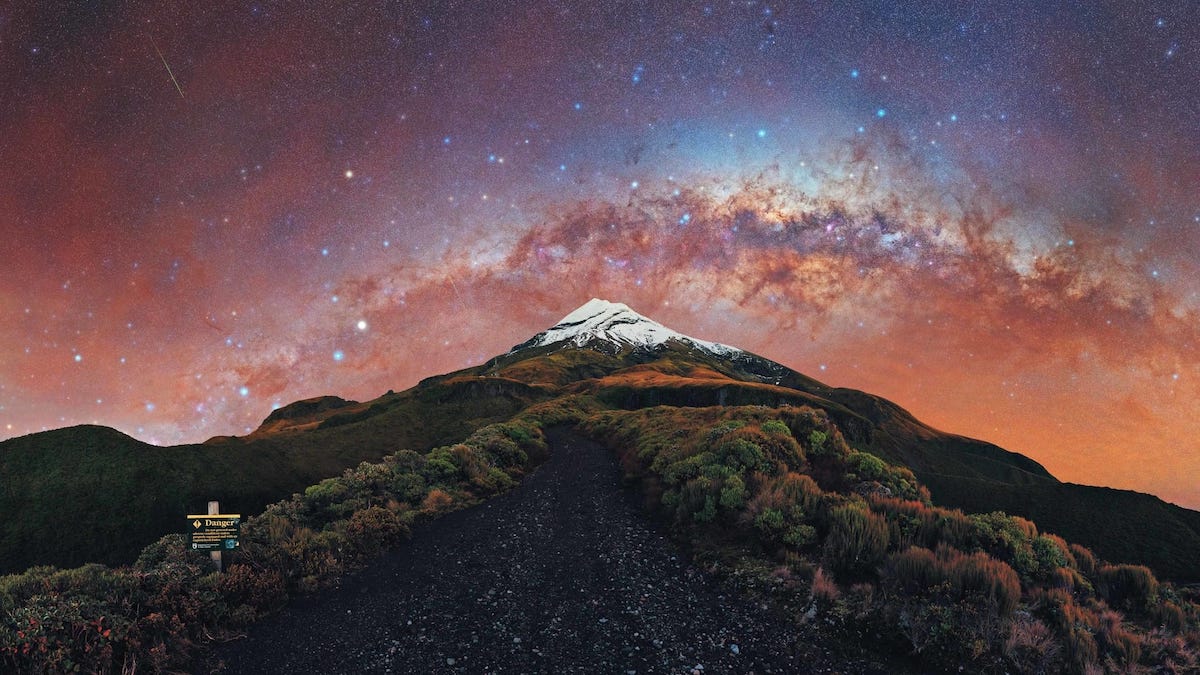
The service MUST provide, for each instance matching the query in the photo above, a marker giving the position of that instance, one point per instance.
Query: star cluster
(987, 212)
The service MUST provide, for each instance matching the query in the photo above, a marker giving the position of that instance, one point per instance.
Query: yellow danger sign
(214, 532)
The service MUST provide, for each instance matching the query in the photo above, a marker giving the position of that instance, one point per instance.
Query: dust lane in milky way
(989, 214)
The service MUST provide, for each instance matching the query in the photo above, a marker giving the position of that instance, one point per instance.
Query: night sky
(988, 213)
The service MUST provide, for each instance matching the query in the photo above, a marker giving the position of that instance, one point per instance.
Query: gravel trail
(563, 574)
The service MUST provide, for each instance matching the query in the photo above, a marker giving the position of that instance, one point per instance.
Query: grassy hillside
(110, 494)
(92, 494)
(778, 496)
(774, 495)
(152, 615)
(1116, 524)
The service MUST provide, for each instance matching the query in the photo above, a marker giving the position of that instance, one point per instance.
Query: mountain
(612, 327)
(595, 346)
(604, 352)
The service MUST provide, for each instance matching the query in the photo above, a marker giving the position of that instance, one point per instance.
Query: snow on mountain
(615, 323)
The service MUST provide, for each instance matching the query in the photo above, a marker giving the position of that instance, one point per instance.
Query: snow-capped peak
(617, 324)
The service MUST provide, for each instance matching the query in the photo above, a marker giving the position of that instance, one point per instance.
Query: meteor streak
(168, 67)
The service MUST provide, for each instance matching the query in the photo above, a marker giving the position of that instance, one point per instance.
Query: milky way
(989, 213)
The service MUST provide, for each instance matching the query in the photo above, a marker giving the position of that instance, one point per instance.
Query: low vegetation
(983, 592)
(851, 543)
(150, 616)
(115, 495)
(1116, 524)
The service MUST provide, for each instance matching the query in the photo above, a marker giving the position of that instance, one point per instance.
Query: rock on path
(563, 574)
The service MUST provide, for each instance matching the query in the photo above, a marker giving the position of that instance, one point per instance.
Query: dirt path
(563, 574)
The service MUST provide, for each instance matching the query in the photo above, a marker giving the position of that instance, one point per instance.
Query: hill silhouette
(820, 503)
(122, 494)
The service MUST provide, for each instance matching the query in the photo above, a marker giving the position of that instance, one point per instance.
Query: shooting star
(168, 67)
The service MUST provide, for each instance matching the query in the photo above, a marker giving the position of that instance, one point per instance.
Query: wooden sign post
(213, 509)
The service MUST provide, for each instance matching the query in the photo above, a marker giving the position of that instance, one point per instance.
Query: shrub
(733, 493)
(1064, 578)
(686, 469)
(856, 541)
(1171, 616)
(723, 429)
(670, 499)
(817, 442)
(1171, 653)
(824, 588)
(1057, 607)
(66, 632)
(790, 494)
(954, 528)
(409, 486)
(1131, 587)
(866, 465)
(719, 472)
(257, 590)
(495, 480)
(1081, 649)
(1007, 538)
(373, 529)
(1116, 641)
(799, 489)
(981, 574)
(693, 498)
(743, 454)
(1084, 559)
(405, 461)
(782, 453)
(909, 522)
(708, 512)
(1051, 554)
(770, 521)
(440, 468)
(509, 443)
(800, 536)
(776, 427)
(329, 500)
(1031, 647)
(915, 570)
(437, 501)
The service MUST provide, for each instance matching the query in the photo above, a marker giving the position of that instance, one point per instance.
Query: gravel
(564, 574)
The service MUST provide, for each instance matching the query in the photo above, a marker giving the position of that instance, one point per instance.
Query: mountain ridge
(604, 351)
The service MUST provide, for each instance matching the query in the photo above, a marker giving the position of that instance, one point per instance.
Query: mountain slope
(92, 494)
(614, 346)
(587, 584)
(603, 352)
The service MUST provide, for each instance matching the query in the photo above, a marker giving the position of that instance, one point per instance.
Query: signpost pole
(214, 508)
